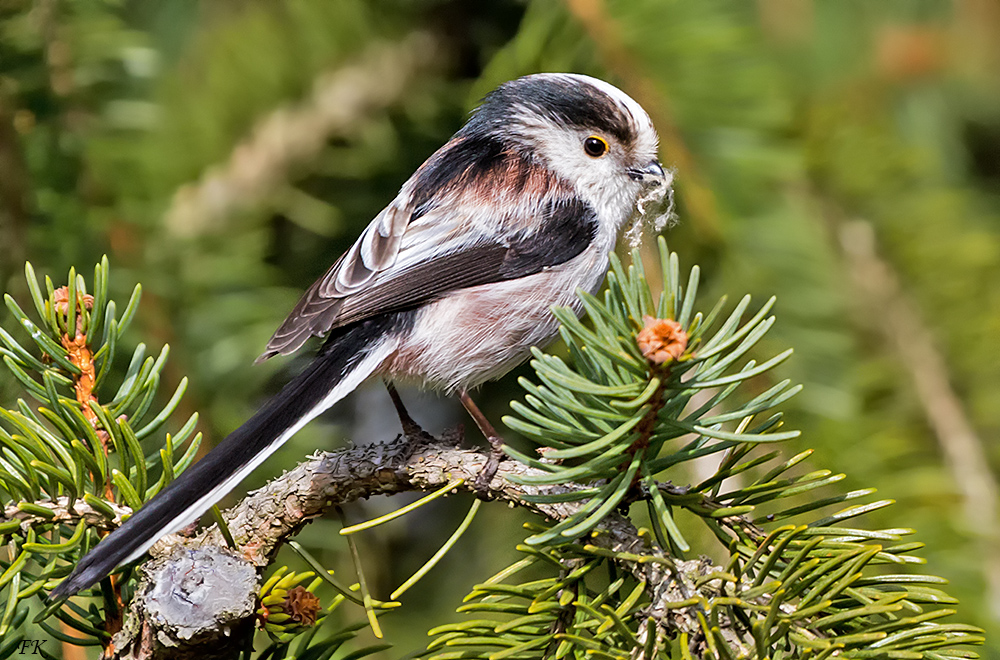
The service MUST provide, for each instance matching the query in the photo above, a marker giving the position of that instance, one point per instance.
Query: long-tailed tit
(450, 285)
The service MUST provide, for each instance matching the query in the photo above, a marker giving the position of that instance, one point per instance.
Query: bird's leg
(411, 430)
(485, 475)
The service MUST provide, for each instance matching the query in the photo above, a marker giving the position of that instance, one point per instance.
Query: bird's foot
(489, 469)
(413, 433)
(485, 476)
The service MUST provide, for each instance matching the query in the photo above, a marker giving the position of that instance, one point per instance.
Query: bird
(449, 286)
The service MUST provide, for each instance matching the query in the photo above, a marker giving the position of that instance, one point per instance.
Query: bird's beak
(651, 173)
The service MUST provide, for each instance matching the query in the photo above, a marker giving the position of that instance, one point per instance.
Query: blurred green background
(841, 155)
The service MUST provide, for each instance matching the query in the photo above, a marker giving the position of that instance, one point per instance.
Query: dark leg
(411, 430)
(485, 475)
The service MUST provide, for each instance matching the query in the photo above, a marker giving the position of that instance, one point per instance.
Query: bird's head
(587, 132)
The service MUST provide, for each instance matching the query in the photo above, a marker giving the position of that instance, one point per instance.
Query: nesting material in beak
(656, 201)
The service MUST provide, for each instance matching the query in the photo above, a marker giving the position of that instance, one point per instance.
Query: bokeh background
(841, 155)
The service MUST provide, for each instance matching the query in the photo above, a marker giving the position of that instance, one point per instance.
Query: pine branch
(64, 511)
(268, 517)
(611, 421)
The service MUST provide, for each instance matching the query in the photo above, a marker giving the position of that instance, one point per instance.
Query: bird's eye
(595, 146)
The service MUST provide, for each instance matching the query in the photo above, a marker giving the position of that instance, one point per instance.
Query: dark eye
(595, 146)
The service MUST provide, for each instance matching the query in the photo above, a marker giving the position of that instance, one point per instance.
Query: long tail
(346, 361)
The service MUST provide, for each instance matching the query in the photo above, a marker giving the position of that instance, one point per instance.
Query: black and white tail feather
(335, 372)
(450, 285)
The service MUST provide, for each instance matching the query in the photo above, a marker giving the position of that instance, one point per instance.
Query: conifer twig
(262, 521)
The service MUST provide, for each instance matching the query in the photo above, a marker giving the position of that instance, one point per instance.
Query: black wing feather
(565, 231)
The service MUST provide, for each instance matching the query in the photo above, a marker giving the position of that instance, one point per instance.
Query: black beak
(652, 173)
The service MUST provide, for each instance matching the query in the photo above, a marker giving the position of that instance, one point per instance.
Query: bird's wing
(375, 250)
(407, 257)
